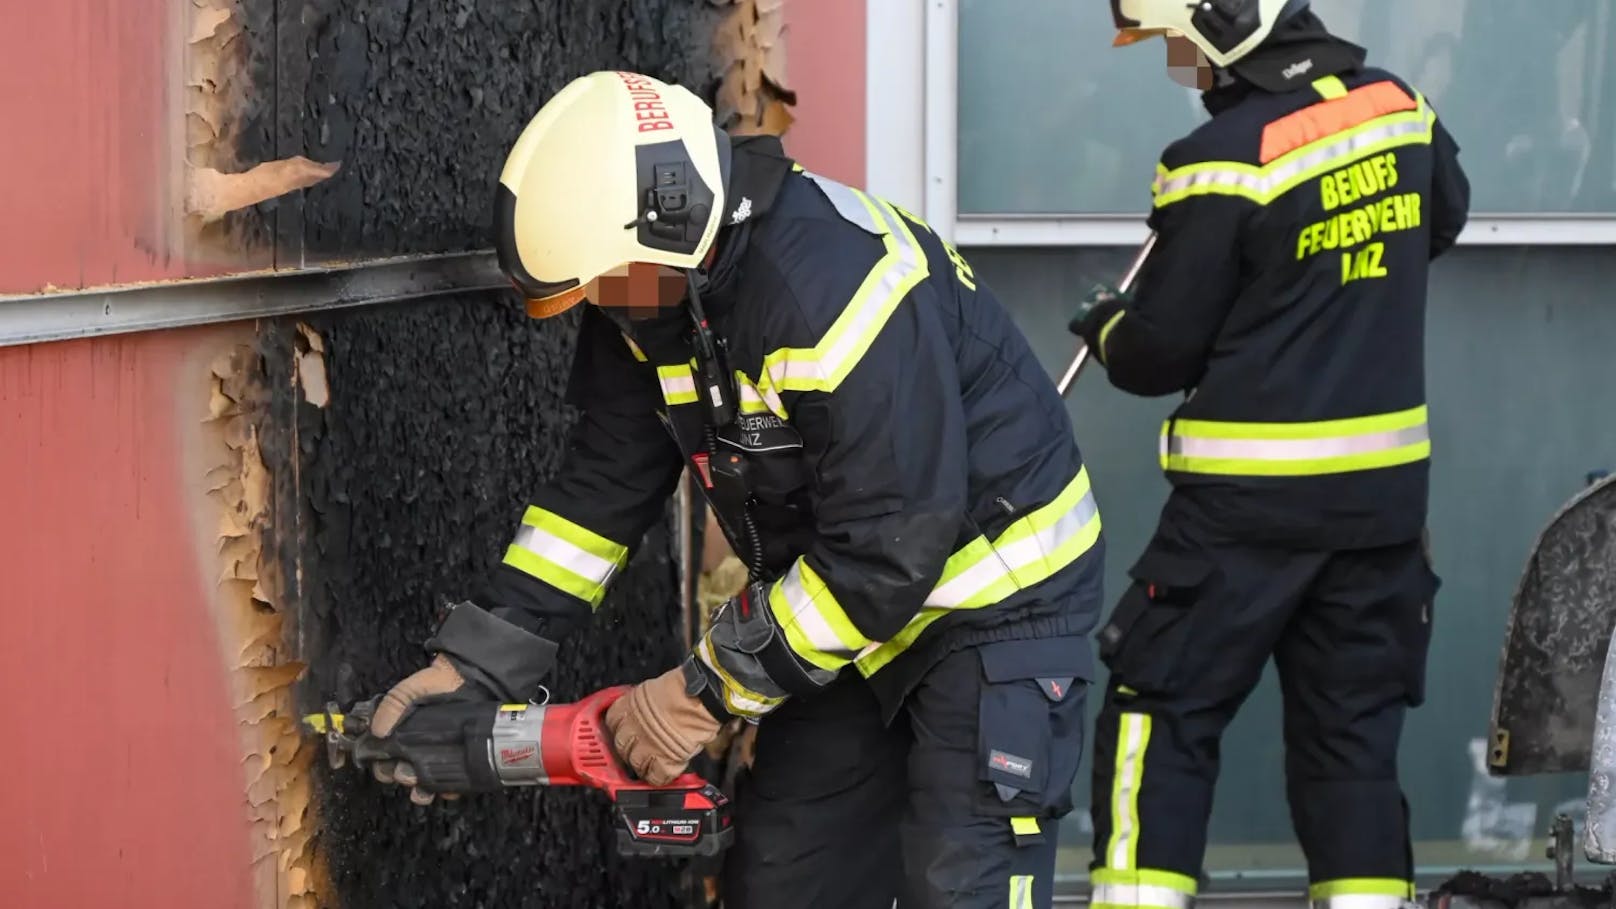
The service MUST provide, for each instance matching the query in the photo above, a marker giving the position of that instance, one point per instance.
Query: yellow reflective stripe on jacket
(1263, 184)
(1295, 449)
(756, 400)
(1361, 893)
(570, 558)
(815, 625)
(1028, 552)
(738, 699)
(1330, 87)
(824, 366)
(1143, 887)
(678, 384)
(635, 349)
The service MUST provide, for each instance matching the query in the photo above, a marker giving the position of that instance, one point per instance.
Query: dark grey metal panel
(1554, 649)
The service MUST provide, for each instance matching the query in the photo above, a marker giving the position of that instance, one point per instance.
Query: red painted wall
(83, 165)
(120, 780)
(825, 47)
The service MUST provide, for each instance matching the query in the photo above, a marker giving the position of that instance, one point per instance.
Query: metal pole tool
(1082, 355)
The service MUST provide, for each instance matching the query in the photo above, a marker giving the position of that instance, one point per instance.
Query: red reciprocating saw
(486, 746)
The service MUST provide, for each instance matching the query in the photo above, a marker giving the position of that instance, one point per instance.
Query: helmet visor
(553, 305)
(1129, 29)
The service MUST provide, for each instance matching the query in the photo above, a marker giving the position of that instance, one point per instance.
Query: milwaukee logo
(509, 756)
(1298, 69)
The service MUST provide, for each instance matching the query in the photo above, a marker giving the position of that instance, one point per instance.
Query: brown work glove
(657, 728)
(439, 678)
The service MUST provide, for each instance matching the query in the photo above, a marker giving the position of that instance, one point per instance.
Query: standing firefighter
(878, 443)
(1286, 296)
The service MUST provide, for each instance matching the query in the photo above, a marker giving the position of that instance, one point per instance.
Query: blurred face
(1187, 65)
(636, 292)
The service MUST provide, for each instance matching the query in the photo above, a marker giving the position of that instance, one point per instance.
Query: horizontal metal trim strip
(33, 318)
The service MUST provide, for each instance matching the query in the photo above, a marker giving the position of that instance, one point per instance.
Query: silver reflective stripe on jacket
(1296, 449)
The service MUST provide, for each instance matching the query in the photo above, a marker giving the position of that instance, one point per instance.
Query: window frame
(940, 147)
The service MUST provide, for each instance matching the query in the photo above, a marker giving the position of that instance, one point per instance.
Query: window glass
(1052, 119)
(1517, 338)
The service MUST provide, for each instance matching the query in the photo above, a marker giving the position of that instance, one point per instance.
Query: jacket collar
(759, 168)
(1298, 53)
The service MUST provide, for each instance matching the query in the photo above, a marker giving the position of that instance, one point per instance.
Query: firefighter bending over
(1286, 295)
(879, 445)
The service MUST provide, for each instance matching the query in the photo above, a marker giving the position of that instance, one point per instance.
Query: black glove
(1102, 303)
(478, 658)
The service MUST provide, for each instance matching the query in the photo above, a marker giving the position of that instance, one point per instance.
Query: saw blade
(340, 730)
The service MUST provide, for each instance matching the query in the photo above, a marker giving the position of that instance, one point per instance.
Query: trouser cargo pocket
(1146, 639)
(1414, 635)
(1030, 719)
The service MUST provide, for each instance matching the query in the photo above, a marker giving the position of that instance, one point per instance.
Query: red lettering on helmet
(649, 109)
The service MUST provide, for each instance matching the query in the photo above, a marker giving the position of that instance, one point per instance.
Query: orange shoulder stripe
(1325, 119)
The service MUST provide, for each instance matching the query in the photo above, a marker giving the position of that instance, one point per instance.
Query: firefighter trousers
(1187, 642)
(953, 804)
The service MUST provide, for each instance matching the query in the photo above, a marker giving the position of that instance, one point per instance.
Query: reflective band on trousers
(1021, 891)
(1030, 551)
(570, 558)
(1295, 449)
(1139, 895)
(1128, 774)
(1361, 893)
(1144, 887)
(1360, 901)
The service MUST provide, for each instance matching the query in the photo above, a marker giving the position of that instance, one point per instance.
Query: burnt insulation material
(421, 100)
(399, 496)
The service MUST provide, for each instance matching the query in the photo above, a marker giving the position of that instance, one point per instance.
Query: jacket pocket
(1030, 721)
(1146, 640)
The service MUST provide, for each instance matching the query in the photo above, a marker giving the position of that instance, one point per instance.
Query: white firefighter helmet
(617, 169)
(1223, 30)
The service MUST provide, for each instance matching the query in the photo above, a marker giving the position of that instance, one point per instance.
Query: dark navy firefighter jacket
(913, 480)
(1286, 297)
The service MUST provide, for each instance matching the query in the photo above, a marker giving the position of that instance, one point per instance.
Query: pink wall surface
(825, 41)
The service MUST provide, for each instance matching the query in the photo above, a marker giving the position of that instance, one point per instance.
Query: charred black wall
(443, 416)
(399, 496)
(420, 101)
